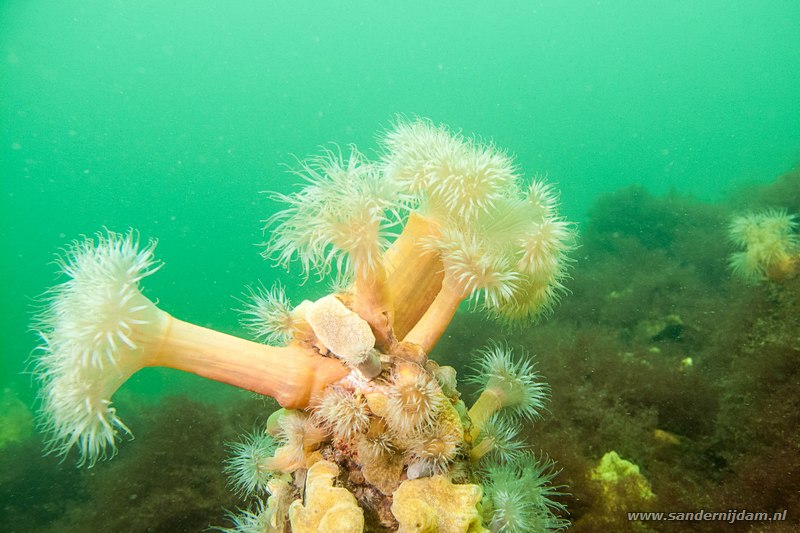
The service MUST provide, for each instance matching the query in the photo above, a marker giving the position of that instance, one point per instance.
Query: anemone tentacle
(246, 464)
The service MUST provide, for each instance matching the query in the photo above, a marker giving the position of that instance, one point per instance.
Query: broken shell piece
(327, 508)
(302, 330)
(345, 334)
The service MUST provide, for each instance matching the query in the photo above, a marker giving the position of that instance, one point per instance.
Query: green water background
(171, 117)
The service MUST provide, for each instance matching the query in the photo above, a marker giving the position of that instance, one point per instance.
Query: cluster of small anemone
(404, 418)
(366, 415)
(500, 237)
(769, 247)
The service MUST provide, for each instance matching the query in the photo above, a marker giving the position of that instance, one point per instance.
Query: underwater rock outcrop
(371, 425)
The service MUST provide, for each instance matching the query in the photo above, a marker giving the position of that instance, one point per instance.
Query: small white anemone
(510, 383)
(771, 245)
(246, 466)
(431, 451)
(414, 399)
(344, 413)
(376, 447)
(520, 496)
(299, 430)
(267, 314)
(342, 217)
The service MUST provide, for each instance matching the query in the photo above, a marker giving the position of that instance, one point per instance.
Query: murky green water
(174, 117)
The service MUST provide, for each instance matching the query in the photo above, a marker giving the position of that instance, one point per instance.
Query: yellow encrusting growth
(621, 487)
(436, 505)
(622, 483)
(326, 507)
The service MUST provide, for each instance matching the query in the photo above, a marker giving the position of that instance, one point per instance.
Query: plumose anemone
(98, 329)
(373, 433)
(771, 246)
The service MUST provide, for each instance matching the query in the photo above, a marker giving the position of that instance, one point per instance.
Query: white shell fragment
(341, 330)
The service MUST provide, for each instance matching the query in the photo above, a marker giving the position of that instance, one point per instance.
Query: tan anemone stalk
(414, 273)
(99, 329)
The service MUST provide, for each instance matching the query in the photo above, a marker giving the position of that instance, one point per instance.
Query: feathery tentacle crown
(268, 315)
(519, 496)
(246, 464)
(502, 243)
(344, 413)
(514, 381)
(342, 217)
(86, 324)
(414, 399)
(498, 438)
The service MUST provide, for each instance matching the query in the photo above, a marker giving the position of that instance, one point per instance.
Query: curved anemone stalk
(290, 374)
(486, 406)
(415, 272)
(98, 330)
(433, 323)
(373, 303)
(507, 383)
